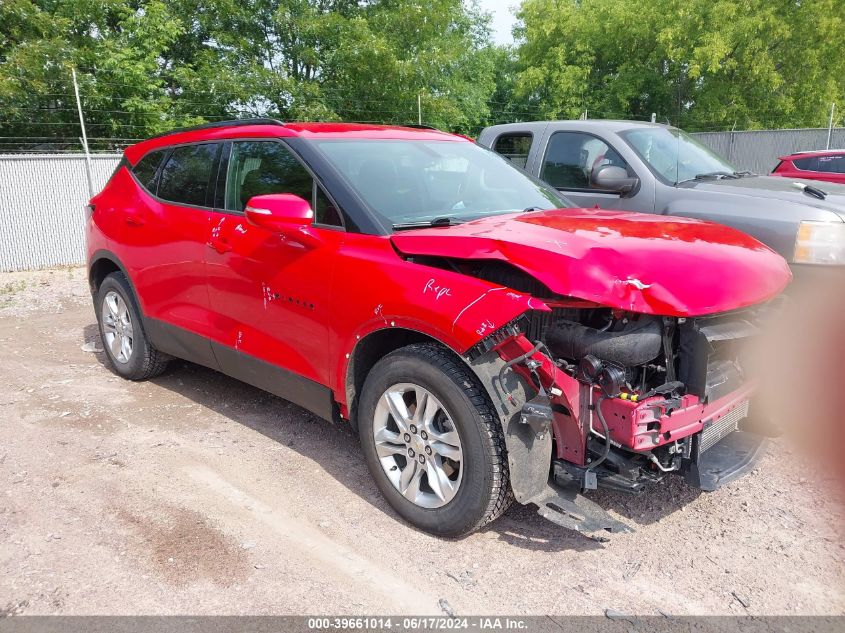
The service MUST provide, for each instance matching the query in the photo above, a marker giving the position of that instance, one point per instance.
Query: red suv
(486, 342)
(818, 165)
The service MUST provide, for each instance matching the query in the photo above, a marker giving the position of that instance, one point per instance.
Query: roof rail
(215, 124)
(816, 151)
(420, 126)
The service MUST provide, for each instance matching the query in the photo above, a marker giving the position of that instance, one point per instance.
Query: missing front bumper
(728, 459)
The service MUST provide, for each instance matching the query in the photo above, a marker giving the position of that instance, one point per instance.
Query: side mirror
(283, 213)
(614, 178)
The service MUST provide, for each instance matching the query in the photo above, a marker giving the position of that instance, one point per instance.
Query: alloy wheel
(418, 445)
(117, 327)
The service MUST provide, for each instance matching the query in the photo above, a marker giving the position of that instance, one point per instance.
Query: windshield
(408, 181)
(674, 155)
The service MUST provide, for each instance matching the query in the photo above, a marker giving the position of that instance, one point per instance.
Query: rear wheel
(129, 352)
(432, 443)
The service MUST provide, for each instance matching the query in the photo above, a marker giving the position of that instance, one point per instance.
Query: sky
(503, 19)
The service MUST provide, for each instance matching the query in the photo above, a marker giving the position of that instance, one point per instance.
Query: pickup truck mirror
(614, 178)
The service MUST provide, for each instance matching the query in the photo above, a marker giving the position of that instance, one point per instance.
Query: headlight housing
(820, 243)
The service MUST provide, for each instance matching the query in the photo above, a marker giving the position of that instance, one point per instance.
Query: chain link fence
(42, 199)
(758, 150)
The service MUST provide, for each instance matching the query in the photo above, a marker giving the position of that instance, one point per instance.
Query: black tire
(145, 361)
(484, 492)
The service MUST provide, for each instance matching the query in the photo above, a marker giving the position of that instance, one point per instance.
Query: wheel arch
(375, 345)
(372, 348)
(101, 264)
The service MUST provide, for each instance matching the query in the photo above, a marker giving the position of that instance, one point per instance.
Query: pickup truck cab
(655, 168)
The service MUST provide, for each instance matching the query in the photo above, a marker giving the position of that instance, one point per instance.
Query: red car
(816, 165)
(487, 343)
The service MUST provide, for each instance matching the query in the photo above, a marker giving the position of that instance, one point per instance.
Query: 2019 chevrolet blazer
(487, 341)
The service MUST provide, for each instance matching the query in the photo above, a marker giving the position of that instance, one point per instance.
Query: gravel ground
(196, 494)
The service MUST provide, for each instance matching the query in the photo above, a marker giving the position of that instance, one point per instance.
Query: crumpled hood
(631, 261)
(779, 188)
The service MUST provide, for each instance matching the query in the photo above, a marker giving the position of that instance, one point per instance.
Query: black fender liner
(529, 455)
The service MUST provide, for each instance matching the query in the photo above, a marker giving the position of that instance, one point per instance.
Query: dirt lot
(194, 493)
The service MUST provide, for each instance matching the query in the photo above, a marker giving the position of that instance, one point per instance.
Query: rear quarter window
(145, 170)
(810, 163)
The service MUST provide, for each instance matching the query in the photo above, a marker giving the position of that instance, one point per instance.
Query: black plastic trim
(302, 391)
(114, 259)
(181, 343)
(357, 217)
(729, 459)
(218, 124)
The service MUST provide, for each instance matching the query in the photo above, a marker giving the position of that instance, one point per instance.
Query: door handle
(220, 244)
(134, 218)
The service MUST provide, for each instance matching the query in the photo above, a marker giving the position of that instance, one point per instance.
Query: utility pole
(419, 109)
(830, 124)
(84, 135)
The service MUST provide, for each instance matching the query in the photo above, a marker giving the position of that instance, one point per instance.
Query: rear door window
(187, 175)
(514, 147)
(573, 157)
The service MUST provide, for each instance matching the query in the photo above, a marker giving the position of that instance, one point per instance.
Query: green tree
(130, 59)
(146, 66)
(698, 63)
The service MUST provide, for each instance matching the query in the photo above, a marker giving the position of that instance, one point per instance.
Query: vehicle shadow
(657, 502)
(336, 449)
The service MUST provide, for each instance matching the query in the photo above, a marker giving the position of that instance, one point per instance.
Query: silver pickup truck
(659, 169)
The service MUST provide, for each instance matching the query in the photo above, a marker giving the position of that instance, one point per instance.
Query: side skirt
(180, 343)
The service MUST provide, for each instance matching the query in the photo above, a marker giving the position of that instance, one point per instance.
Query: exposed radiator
(728, 423)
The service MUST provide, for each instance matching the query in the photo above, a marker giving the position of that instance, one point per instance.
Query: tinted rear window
(145, 170)
(811, 163)
(187, 174)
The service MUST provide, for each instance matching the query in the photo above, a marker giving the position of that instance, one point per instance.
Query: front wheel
(432, 442)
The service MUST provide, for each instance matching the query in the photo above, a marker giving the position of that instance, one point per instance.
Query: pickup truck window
(572, 157)
(673, 155)
(514, 147)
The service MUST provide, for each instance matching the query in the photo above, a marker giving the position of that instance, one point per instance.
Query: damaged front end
(599, 397)
(634, 369)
